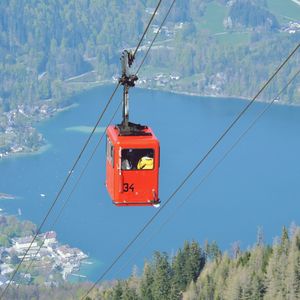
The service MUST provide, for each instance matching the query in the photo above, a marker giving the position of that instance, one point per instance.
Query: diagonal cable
(157, 33)
(150, 21)
(95, 149)
(206, 176)
(75, 164)
(58, 194)
(148, 223)
(72, 191)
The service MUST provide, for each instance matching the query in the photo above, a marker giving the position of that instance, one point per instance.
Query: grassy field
(233, 38)
(284, 9)
(214, 17)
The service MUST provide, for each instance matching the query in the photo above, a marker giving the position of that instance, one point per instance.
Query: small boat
(43, 195)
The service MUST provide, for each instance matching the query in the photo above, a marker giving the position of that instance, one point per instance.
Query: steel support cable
(110, 121)
(158, 31)
(75, 185)
(151, 19)
(138, 69)
(94, 151)
(59, 192)
(72, 191)
(75, 163)
(146, 225)
(206, 176)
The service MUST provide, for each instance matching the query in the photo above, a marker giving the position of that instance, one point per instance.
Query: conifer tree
(235, 283)
(146, 285)
(191, 293)
(293, 268)
(212, 251)
(129, 293)
(162, 277)
(260, 237)
(277, 269)
(178, 280)
(117, 291)
(195, 262)
(284, 245)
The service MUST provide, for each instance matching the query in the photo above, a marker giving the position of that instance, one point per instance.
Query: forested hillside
(194, 273)
(262, 272)
(49, 50)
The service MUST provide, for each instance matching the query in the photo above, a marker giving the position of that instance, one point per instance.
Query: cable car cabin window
(137, 159)
(110, 152)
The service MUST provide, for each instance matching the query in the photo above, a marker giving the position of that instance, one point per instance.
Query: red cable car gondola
(132, 156)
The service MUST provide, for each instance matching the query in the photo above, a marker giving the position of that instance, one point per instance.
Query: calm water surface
(256, 185)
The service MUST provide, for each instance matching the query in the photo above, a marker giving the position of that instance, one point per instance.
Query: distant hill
(251, 14)
(49, 50)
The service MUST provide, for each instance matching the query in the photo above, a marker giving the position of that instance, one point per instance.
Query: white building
(23, 243)
(64, 252)
(50, 238)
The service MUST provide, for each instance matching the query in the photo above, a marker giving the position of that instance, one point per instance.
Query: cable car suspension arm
(127, 81)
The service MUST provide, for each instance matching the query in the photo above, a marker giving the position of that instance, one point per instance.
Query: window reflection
(110, 152)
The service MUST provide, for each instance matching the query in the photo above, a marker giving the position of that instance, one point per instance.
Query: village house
(23, 243)
(49, 238)
(45, 249)
(64, 252)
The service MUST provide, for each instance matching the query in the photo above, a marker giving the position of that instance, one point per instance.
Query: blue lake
(256, 185)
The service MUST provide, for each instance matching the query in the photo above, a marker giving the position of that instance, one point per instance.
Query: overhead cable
(147, 224)
(206, 176)
(95, 148)
(75, 164)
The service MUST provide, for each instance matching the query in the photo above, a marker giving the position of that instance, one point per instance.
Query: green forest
(51, 49)
(11, 228)
(195, 273)
(45, 44)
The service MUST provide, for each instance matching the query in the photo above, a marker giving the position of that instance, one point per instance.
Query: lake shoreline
(103, 83)
(218, 97)
(192, 94)
(40, 150)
